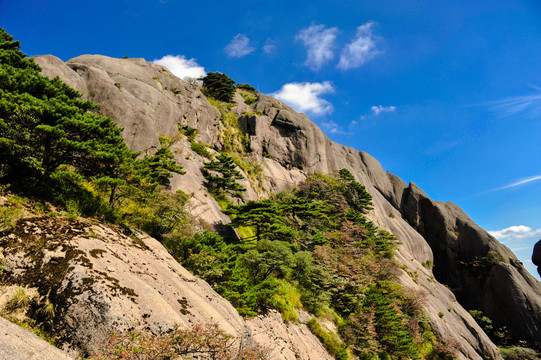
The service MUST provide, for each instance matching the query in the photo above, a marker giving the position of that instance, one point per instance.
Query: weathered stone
(109, 282)
(17, 343)
(483, 273)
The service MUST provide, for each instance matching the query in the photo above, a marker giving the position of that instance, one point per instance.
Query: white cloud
(380, 109)
(516, 233)
(306, 97)
(320, 43)
(361, 49)
(182, 67)
(239, 46)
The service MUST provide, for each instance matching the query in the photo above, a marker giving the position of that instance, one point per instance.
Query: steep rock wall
(483, 273)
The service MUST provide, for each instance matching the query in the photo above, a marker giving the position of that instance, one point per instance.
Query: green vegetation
(219, 86)
(235, 143)
(189, 131)
(221, 175)
(24, 307)
(246, 87)
(53, 147)
(519, 353)
(333, 344)
(201, 149)
(510, 348)
(313, 248)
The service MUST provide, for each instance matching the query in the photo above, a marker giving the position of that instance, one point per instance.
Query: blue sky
(444, 94)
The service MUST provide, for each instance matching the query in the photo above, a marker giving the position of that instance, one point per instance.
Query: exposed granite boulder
(536, 256)
(17, 343)
(51, 66)
(101, 280)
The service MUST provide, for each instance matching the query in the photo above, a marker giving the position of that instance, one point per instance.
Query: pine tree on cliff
(221, 175)
(219, 86)
(44, 124)
(48, 132)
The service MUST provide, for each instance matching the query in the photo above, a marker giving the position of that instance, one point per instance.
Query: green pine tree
(49, 136)
(219, 86)
(221, 175)
(262, 215)
(44, 124)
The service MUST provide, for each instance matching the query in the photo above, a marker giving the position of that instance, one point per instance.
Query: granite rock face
(483, 273)
(102, 280)
(17, 343)
(148, 102)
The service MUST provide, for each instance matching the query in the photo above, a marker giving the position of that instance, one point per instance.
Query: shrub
(8, 216)
(519, 353)
(200, 149)
(18, 300)
(200, 342)
(246, 87)
(190, 132)
(331, 341)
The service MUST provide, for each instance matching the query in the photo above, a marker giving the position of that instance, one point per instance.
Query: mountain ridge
(149, 102)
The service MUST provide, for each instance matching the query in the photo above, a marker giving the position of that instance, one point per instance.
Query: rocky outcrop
(484, 274)
(17, 343)
(148, 101)
(536, 256)
(101, 280)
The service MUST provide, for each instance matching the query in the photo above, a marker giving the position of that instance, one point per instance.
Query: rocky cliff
(149, 102)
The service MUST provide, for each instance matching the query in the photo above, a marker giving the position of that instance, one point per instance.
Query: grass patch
(286, 300)
(331, 341)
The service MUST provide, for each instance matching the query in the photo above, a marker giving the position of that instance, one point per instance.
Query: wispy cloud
(376, 110)
(361, 49)
(516, 233)
(331, 127)
(515, 184)
(239, 46)
(182, 67)
(306, 96)
(320, 44)
(529, 104)
(269, 47)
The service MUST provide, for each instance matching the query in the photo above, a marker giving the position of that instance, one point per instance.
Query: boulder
(483, 273)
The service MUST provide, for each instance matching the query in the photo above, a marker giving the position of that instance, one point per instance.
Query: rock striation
(148, 102)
